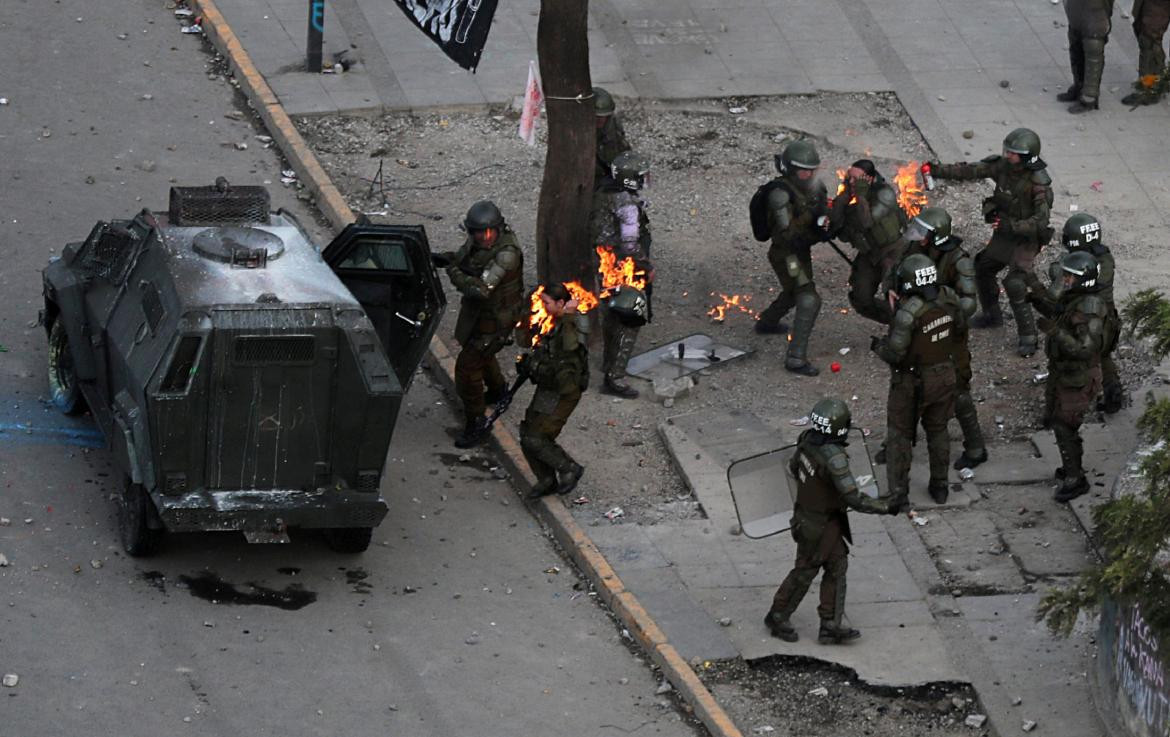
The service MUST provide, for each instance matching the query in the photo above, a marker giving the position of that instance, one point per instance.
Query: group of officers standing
(910, 274)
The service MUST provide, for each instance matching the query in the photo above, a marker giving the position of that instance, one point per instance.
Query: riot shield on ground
(763, 489)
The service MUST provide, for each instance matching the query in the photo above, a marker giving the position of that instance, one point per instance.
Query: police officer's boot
(974, 451)
(833, 633)
(493, 394)
(780, 627)
(1026, 326)
(1094, 64)
(473, 433)
(1072, 94)
(988, 291)
(879, 458)
(569, 477)
(618, 388)
(939, 491)
(808, 304)
(1072, 475)
(542, 487)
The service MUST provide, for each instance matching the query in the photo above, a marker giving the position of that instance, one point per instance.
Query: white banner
(533, 99)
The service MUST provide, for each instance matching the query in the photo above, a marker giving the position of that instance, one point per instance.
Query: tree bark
(566, 193)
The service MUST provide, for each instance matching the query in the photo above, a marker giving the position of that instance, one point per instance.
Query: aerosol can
(927, 177)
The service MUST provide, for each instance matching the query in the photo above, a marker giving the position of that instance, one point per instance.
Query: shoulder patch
(510, 258)
(1040, 177)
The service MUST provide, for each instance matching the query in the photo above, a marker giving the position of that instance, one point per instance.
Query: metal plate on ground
(698, 352)
(763, 488)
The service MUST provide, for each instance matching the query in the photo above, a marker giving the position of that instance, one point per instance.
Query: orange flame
(618, 274)
(735, 302)
(911, 195)
(841, 174)
(540, 322)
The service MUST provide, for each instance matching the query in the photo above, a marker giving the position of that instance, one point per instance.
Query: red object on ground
(835, 367)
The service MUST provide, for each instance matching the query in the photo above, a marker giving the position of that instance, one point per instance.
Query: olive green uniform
(611, 141)
(619, 224)
(792, 219)
(559, 367)
(1150, 21)
(956, 270)
(491, 282)
(1076, 331)
(1089, 23)
(826, 490)
(1022, 202)
(869, 217)
(920, 349)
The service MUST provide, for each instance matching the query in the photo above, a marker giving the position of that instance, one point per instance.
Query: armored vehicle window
(178, 376)
(108, 250)
(274, 349)
(378, 255)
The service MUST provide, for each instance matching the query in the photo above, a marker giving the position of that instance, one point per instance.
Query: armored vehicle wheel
(134, 509)
(349, 539)
(63, 389)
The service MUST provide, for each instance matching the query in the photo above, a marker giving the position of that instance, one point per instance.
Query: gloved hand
(1004, 225)
(894, 508)
(875, 343)
(861, 187)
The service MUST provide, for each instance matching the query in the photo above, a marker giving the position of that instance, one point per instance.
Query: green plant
(1134, 530)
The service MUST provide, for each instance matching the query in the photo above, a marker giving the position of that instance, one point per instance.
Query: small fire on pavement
(540, 322)
(616, 273)
(911, 195)
(731, 303)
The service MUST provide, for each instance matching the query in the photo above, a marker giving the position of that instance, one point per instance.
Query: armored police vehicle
(243, 379)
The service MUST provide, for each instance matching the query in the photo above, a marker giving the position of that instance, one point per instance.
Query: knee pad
(1016, 286)
(807, 300)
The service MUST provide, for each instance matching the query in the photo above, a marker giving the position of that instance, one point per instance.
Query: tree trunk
(566, 194)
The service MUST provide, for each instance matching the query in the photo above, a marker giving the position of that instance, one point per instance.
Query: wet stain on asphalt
(356, 577)
(157, 579)
(211, 587)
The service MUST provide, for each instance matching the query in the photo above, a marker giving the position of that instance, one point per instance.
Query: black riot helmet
(630, 169)
(1081, 231)
(933, 225)
(483, 215)
(831, 418)
(917, 274)
(1080, 271)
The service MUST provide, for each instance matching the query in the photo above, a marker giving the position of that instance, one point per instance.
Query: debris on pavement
(737, 110)
(10, 680)
(664, 688)
(193, 28)
(966, 474)
(3, 561)
(764, 729)
(614, 513)
(1028, 725)
(799, 421)
(553, 570)
(820, 691)
(581, 500)
(975, 720)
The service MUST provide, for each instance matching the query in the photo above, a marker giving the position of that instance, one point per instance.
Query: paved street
(449, 625)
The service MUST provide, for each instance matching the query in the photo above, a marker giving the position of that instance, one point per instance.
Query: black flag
(459, 27)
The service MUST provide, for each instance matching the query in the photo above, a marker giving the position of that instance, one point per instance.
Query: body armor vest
(933, 340)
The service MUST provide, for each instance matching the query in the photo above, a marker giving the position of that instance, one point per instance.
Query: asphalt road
(448, 625)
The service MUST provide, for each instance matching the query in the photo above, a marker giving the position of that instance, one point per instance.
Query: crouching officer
(826, 490)
(1018, 210)
(621, 228)
(867, 215)
(1074, 322)
(488, 271)
(797, 208)
(559, 367)
(920, 348)
(930, 234)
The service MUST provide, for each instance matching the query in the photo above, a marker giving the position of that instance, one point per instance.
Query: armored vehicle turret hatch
(243, 379)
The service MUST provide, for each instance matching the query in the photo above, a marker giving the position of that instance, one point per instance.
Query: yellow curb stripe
(553, 512)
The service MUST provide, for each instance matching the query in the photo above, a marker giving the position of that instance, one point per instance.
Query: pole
(316, 36)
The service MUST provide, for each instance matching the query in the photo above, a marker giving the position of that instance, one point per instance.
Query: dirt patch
(708, 162)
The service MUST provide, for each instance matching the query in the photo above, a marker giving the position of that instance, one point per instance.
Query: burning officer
(794, 207)
(559, 367)
(920, 348)
(611, 136)
(1018, 210)
(930, 234)
(826, 490)
(488, 272)
(621, 232)
(1075, 323)
(867, 215)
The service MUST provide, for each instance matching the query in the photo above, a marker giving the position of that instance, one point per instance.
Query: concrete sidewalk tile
(881, 578)
(763, 573)
(714, 576)
(690, 627)
(627, 548)
(432, 95)
(1072, 164)
(849, 82)
(731, 28)
(960, 61)
(355, 101)
(691, 544)
(302, 94)
(1045, 553)
(953, 113)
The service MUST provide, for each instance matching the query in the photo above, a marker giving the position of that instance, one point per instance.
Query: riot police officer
(866, 213)
(1089, 23)
(488, 273)
(1150, 21)
(621, 228)
(920, 348)
(826, 490)
(797, 207)
(611, 136)
(1018, 211)
(1075, 327)
(930, 234)
(559, 367)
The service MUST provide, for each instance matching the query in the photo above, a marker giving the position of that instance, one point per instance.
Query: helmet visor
(917, 231)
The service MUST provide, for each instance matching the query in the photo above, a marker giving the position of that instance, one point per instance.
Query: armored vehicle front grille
(368, 480)
(274, 349)
(211, 206)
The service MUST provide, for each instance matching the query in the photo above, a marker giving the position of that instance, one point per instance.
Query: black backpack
(758, 209)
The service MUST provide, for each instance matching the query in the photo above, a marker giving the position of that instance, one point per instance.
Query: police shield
(763, 488)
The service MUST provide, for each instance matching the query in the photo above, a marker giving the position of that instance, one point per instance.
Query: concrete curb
(550, 510)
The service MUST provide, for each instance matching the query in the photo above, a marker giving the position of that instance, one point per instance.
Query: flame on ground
(911, 195)
(616, 273)
(540, 322)
(731, 303)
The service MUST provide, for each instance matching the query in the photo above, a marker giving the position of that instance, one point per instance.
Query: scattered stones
(147, 165)
(819, 691)
(95, 564)
(673, 389)
(10, 680)
(664, 688)
(1004, 83)
(1016, 701)
(1028, 725)
(3, 561)
(725, 621)
(975, 720)
(472, 639)
(968, 134)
